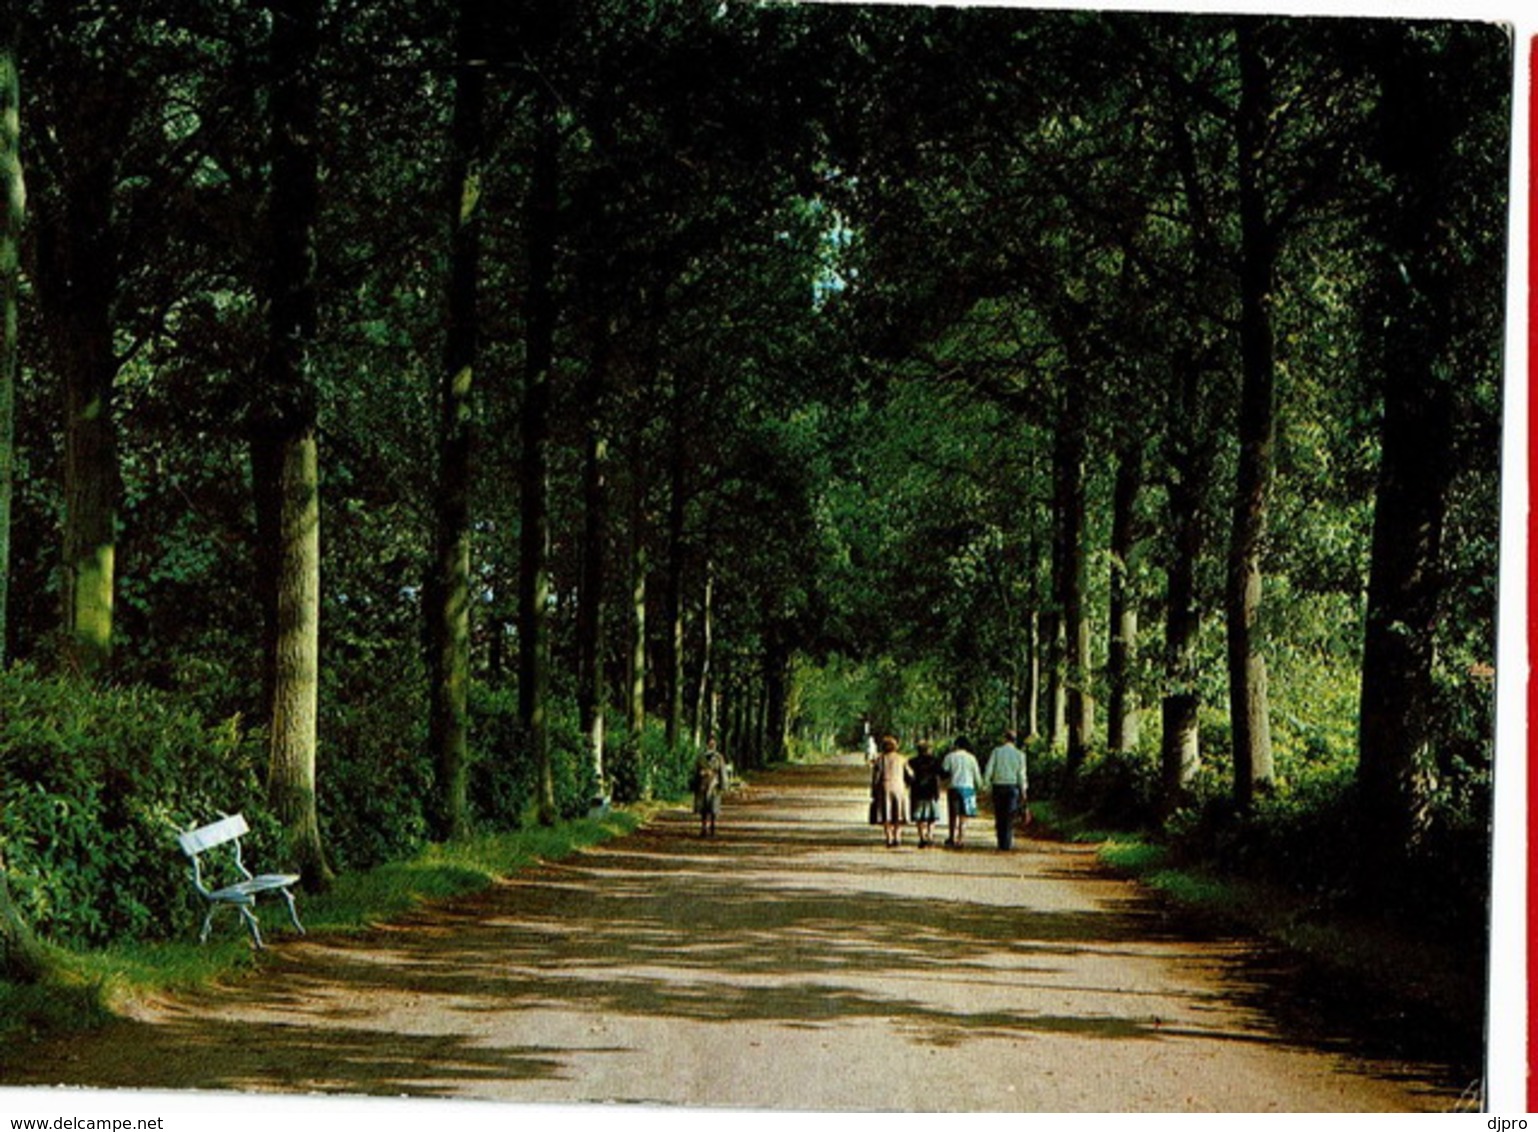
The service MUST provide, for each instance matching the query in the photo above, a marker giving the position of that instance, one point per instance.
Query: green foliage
(373, 783)
(646, 767)
(504, 779)
(84, 985)
(1304, 836)
(1119, 790)
(95, 785)
(863, 355)
(834, 698)
(50, 1007)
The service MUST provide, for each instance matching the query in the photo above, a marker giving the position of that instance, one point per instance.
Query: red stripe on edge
(1532, 577)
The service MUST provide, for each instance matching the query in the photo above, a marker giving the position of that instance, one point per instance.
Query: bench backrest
(214, 834)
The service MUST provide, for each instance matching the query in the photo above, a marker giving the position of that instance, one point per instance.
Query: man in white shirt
(962, 777)
(1006, 774)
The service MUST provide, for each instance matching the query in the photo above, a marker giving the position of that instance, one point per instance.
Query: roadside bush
(504, 781)
(647, 767)
(1119, 790)
(1046, 769)
(1305, 836)
(94, 785)
(1300, 836)
(373, 784)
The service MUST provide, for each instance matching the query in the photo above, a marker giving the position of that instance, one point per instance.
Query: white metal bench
(242, 894)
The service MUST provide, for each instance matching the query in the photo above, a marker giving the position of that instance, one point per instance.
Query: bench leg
(293, 913)
(208, 923)
(251, 925)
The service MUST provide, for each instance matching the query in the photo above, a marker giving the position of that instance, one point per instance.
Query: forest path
(791, 962)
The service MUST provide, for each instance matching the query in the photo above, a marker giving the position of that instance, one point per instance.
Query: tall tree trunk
(1055, 653)
(1249, 703)
(704, 725)
(776, 699)
(21, 957)
(80, 303)
(1068, 470)
(674, 594)
(1190, 461)
(592, 697)
(759, 717)
(534, 480)
(448, 590)
(1031, 696)
(13, 189)
(287, 426)
(291, 776)
(1402, 601)
(1421, 124)
(1180, 747)
(635, 681)
(1122, 710)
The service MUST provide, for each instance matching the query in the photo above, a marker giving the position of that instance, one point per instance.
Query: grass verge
(86, 988)
(1372, 955)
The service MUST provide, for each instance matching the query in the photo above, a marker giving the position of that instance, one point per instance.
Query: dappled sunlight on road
(626, 971)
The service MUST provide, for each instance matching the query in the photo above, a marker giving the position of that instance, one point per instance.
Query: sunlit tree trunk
(448, 590)
(673, 596)
(77, 280)
(534, 551)
(1248, 697)
(13, 190)
(592, 696)
(1069, 502)
(1122, 709)
(1190, 469)
(291, 781)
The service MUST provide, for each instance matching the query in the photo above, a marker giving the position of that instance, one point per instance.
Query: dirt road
(791, 962)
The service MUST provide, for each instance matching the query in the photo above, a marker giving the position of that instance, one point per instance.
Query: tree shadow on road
(805, 923)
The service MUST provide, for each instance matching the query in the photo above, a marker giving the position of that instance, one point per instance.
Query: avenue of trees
(421, 417)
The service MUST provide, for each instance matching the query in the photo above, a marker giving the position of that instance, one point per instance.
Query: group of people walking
(907, 790)
(904, 790)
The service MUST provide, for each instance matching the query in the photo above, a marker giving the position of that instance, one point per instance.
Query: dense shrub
(373, 786)
(1300, 835)
(503, 778)
(647, 767)
(1303, 831)
(1116, 789)
(1046, 769)
(1305, 835)
(94, 785)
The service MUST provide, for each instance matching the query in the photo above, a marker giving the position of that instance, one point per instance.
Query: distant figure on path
(709, 785)
(1006, 774)
(889, 791)
(924, 793)
(962, 777)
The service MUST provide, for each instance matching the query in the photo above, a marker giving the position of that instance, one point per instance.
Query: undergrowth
(83, 987)
(1371, 951)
